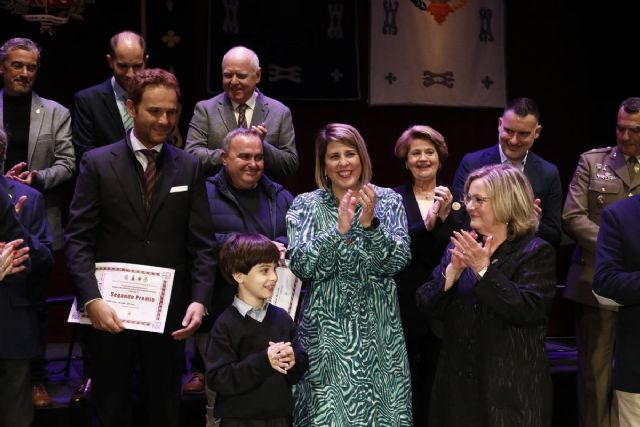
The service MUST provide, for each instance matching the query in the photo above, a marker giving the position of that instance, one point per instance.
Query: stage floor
(562, 360)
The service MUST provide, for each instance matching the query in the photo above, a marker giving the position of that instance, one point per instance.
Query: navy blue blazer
(19, 338)
(108, 223)
(96, 118)
(229, 217)
(33, 217)
(544, 179)
(617, 276)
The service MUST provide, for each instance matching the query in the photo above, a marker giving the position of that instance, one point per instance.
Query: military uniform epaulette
(600, 150)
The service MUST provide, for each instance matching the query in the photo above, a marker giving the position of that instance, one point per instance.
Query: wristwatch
(375, 222)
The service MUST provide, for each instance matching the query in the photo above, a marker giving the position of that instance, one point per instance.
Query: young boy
(253, 356)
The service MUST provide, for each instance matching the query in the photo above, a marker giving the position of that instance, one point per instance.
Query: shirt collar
(136, 145)
(247, 310)
(117, 89)
(251, 102)
(505, 159)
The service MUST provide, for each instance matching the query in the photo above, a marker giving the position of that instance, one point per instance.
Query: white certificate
(287, 290)
(139, 294)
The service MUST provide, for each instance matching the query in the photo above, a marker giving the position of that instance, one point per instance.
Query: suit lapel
(37, 117)
(491, 156)
(109, 102)
(168, 170)
(225, 109)
(123, 164)
(260, 112)
(505, 251)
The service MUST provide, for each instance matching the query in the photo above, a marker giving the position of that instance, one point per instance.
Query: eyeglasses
(474, 199)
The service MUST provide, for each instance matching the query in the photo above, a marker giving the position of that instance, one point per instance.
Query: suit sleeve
(550, 228)
(64, 160)
(575, 215)
(614, 278)
(201, 245)
(280, 155)
(10, 227)
(463, 170)
(81, 231)
(35, 219)
(198, 140)
(83, 128)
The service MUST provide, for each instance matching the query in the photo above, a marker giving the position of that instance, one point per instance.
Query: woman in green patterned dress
(348, 239)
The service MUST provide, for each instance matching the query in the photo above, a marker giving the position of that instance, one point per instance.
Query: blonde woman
(493, 290)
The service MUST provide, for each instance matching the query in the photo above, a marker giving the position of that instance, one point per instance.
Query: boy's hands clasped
(281, 356)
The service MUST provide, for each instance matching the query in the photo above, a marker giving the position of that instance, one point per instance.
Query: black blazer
(493, 356)
(427, 248)
(544, 179)
(96, 118)
(617, 276)
(108, 222)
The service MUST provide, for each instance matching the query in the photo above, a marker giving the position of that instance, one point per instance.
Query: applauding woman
(493, 290)
(431, 222)
(349, 238)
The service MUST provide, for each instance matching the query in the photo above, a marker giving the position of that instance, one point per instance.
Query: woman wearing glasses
(493, 289)
(423, 151)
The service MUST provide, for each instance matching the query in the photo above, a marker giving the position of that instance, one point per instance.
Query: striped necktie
(127, 120)
(149, 177)
(242, 119)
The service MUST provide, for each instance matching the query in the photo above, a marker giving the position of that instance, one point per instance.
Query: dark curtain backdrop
(557, 52)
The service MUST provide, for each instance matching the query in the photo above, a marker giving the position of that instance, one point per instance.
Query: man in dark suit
(100, 113)
(242, 105)
(18, 321)
(617, 276)
(518, 128)
(32, 215)
(129, 207)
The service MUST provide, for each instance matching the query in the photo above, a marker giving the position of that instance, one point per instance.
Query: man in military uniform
(602, 177)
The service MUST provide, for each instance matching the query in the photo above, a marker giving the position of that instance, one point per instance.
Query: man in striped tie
(141, 201)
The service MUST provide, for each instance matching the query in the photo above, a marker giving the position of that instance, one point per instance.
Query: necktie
(149, 177)
(127, 120)
(242, 119)
(634, 167)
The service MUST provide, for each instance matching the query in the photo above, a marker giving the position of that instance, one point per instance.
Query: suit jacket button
(146, 242)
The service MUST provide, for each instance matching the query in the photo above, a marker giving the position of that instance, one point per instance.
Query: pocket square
(179, 189)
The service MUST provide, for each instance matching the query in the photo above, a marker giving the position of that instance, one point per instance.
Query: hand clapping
(468, 252)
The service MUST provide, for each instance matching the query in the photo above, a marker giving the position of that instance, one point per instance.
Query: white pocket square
(179, 189)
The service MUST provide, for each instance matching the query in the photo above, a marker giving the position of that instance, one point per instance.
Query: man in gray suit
(39, 154)
(39, 150)
(242, 105)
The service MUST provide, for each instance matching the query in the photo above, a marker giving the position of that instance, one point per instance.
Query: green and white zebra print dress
(350, 324)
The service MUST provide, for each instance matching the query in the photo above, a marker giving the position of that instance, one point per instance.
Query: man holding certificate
(140, 204)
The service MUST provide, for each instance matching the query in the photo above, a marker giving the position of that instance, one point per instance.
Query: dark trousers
(116, 359)
(16, 409)
(38, 364)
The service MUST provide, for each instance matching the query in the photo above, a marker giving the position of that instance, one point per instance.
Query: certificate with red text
(287, 290)
(139, 294)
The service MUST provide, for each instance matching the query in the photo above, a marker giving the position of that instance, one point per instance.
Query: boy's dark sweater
(238, 367)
